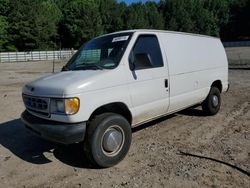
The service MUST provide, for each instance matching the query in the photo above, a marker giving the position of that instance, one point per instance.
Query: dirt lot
(154, 159)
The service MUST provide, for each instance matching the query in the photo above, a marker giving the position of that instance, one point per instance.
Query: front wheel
(211, 105)
(108, 139)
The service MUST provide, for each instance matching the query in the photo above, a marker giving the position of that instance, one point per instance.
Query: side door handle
(166, 83)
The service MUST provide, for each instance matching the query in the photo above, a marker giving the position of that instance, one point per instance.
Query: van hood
(69, 82)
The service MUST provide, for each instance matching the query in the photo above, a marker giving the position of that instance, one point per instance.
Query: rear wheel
(211, 105)
(108, 139)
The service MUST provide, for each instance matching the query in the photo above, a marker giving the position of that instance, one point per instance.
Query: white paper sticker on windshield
(122, 38)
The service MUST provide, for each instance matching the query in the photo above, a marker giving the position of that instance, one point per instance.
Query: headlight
(67, 106)
(71, 105)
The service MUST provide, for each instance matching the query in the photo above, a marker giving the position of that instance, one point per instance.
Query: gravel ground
(154, 159)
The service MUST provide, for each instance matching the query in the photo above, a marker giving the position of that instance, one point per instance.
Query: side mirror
(132, 62)
(140, 61)
(131, 65)
(143, 61)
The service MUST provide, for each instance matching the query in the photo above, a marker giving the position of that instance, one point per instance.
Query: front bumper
(65, 133)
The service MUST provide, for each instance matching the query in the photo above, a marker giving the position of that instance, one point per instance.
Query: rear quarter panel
(194, 62)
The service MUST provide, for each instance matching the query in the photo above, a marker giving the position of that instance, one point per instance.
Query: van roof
(162, 31)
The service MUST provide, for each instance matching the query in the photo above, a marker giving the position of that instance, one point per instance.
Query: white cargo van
(123, 79)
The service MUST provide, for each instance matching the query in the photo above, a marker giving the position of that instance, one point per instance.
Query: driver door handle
(166, 83)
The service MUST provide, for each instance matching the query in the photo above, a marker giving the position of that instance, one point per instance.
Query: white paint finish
(69, 83)
(191, 64)
(90, 101)
(195, 62)
(191, 53)
(149, 97)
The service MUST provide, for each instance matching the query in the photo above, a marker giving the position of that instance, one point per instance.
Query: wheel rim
(215, 100)
(112, 140)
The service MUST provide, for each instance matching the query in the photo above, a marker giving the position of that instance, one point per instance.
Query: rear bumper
(64, 133)
(225, 87)
(228, 87)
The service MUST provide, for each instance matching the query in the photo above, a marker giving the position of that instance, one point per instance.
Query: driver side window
(146, 53)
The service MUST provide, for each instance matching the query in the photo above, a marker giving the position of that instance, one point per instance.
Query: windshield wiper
(65, 68)
(88, 67)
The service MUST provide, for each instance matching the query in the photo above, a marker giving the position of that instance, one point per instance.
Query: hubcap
(215, 100)
(113, 140)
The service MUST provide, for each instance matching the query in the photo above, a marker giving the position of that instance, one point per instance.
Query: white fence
(35, 56)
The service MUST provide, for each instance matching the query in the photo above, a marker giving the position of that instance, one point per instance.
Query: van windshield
(100, 53)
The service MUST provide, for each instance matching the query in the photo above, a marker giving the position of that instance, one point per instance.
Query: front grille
(37, 104)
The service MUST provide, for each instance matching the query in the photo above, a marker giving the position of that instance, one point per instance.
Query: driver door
(148, 80)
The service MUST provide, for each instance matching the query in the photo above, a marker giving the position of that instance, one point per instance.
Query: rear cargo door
(148, 80)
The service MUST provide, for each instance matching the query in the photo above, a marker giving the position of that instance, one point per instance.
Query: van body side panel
(148, 94)
(194, 64)
(187, 53)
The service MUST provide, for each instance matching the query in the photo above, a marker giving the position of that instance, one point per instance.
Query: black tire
(211, 106)
(94, 140)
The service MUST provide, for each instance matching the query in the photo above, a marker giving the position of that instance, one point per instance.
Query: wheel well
(217, 84)
(117, 107)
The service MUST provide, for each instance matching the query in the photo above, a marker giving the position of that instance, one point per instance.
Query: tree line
(56, 24)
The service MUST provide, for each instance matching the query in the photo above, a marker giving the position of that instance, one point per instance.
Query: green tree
(238, 27)
(5, 44)
(219, 13)
(81, 21)
(113, 15)
(107, 12)
(119, 17)
(178, 15)
(197, 16)
(136, 17)
(3, 33)
(153, 15)
(46, 23)
(33, 24)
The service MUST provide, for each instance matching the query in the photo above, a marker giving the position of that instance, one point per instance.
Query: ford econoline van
(123, 79)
